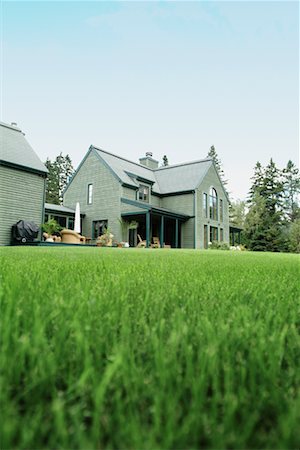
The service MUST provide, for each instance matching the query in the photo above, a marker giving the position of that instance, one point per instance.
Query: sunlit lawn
(149, 349)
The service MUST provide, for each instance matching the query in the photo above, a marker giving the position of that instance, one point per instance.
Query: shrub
(51, 227)
(215, 245)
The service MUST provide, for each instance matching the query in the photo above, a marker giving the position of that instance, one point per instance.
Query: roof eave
(24, 168)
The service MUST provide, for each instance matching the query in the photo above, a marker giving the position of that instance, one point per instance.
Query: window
(143, 193)
(99, 228)
(205, 237)
(221, 210)
(90, 194)
(204, 204)
(61, 220)
(213, 234)
(213, 204)
(221, 235)
(71, 223)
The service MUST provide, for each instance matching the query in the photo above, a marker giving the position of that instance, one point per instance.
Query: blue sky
(172, 78)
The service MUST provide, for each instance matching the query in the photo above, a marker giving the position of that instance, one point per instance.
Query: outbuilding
(22, 181)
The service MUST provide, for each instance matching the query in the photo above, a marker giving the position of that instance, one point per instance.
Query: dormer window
(143, 193)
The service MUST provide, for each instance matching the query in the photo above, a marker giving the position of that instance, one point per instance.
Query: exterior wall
(107, 190)
(21, 198)
(129, 193)
(211, 180)
(183, 204)
(156, 201)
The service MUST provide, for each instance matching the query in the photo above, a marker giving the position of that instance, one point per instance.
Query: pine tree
(255, 224)
(65, 170)
(237, 213)
(52, 189)
(60, 170)
(264, 221)
(291, 191)
(218, 164)
(273, 190)
(258, 180)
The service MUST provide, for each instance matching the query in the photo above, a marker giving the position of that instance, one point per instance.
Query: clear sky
(172, 78)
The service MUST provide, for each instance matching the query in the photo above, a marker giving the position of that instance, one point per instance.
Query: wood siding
(182, 204)
(107, 191)
(211, 180)
(129, 193)
(21, 198)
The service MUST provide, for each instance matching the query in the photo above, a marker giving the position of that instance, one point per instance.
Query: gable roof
(123, 167)
(16, 151)
(165, 180)
(182, 177)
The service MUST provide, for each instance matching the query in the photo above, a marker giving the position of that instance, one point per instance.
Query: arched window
(213, 204)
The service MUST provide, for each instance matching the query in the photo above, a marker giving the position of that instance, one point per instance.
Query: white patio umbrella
(77, 227)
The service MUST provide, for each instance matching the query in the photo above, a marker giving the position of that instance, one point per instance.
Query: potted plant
(105, 240)
(51, 229)
(126, 226)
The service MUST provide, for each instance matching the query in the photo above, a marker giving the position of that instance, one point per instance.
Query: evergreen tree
(60, 171)
(52, 187)
(273, 190)
(255, 224)
(294, 236)
(258, 180)
(237, 213)
(165, 160)
(214, 156)
(291, 191)
(264, 221)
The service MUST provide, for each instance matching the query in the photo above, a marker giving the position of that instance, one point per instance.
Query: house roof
(181, 177)
(123, 167)
(16, 151)
(50, 207)
(164, 180)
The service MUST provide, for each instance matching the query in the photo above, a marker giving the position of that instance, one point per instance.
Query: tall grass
(149, 349)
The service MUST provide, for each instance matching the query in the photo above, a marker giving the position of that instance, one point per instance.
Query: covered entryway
(156, 223)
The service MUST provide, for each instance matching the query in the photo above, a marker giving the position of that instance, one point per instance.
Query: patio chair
(141, 243)
(156, 242)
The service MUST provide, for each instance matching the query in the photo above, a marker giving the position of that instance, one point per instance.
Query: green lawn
(149, 349)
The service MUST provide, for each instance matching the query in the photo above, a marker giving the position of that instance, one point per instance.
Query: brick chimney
(148, 161)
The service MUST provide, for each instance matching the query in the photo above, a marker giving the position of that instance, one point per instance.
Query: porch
(154, 222)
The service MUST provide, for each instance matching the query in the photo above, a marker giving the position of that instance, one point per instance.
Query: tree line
(270, 216)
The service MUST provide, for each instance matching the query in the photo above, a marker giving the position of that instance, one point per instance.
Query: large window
(221, 235)
(213, 204)
(205, 241)
(90, 194)
(213, 234)
(204, 204)
(99, 228)
(221, 210)
(143, 193)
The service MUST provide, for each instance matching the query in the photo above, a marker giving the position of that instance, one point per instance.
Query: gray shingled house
(22, 181)
(184, 205)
